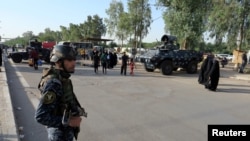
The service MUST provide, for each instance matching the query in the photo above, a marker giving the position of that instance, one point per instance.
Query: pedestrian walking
(83, 53)
(213, 75)
(132, 66)
(96, 62)
(124, 64)
(104, 62)
(34, 56)
(244, 62)
(58, 109)
(203, 78)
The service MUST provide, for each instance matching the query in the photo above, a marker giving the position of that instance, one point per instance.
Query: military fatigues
(57, 96)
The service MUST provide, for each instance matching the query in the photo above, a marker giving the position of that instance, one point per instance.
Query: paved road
(144, 107)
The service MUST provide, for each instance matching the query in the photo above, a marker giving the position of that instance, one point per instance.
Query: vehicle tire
(17, 58)
(167, 67)
(192, 67)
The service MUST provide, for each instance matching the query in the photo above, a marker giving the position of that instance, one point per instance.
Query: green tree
(47, 35)
(75, 34)
(114, 12)
(186, 19)
(93, 27)
(118, 22)
(28, 35)
(124, 28)
(140, 17)
(65, 33)
(230, 20)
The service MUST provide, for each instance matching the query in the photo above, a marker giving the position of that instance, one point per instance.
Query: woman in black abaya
(201, 78)
(214, 75)
(205, 68)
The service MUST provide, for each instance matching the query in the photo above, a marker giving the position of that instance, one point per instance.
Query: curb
(8, 128)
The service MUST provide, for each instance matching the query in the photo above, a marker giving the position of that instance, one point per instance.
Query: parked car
(146, 55)
(229, 57)
(248, 57)
(221, 56)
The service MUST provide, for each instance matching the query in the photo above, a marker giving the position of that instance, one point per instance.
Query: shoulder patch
(49, 97)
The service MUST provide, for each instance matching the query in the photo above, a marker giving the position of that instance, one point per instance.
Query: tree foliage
(185, 19)
(230, 20)
(93, 28)
(133, 23)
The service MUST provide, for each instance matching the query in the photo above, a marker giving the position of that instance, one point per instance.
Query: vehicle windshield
(151, 52)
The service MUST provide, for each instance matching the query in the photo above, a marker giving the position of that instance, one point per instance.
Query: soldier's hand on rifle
(75, 121)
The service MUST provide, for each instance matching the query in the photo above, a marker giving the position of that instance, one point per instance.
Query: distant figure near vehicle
(35, 56)
(124, 64)
(104, 62)
(83, 53)
(96, 61)
(244, 62)
(224, 62)
(132, 66)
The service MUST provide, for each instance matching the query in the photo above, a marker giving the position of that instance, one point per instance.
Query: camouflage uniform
(57, 96)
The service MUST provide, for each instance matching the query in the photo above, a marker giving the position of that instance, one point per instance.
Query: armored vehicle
(44, 53)
(169, 58)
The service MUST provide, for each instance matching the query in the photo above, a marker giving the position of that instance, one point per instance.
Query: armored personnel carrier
(168, 58)
(44, 53)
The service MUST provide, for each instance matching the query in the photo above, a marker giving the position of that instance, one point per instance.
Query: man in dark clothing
(124, 64)
(244, 62)
(115, 58)
(96, 61)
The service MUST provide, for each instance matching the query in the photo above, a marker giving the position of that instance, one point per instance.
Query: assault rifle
(68, 113)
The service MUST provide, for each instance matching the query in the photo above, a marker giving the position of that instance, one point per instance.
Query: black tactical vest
(68, 99)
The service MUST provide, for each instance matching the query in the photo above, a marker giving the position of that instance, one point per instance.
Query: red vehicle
(48, 45)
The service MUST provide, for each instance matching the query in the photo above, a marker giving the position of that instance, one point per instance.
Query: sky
(20, 16)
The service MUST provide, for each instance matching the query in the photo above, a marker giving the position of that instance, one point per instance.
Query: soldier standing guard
(59, 108)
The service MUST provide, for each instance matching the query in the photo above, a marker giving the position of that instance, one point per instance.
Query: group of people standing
(209, 73)
(105, 58)
(109, 60)
(125, 63)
